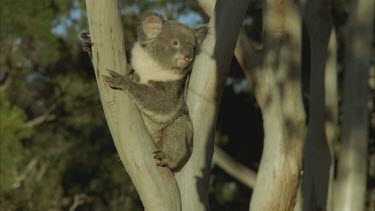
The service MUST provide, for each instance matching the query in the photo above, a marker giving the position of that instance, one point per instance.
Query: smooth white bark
(204, 94)
(156, 186)
(274, 72)
(278, 92)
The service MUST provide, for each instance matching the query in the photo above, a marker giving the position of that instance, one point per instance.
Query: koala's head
(170, 43)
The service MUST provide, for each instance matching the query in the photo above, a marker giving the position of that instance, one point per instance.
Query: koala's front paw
(86, 44)
(117, 81)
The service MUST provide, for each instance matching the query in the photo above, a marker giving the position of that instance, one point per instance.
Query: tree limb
(318, 156)
(77, 201)
(240, 172)
(47, 116)
(31, 165)
(350, 189)
(249, 57)
(39, 120)
(156, 186)
(279, 97)
(204, 94)
(276, 64)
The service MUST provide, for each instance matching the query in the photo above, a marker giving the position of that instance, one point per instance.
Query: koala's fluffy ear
(200, 33)
(149, 26)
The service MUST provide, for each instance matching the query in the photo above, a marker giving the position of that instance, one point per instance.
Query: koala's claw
(159, 155)
(85, 35)
(162, 163)
(160, 158)
(157, 151)
(114, 74)
(86, 44)
(116, 81)
(112, 82)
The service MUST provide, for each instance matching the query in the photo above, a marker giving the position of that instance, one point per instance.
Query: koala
(161, 59)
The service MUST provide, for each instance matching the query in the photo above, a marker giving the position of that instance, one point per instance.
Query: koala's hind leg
(177, 144)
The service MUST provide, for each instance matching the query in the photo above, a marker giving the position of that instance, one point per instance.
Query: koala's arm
(142, 95)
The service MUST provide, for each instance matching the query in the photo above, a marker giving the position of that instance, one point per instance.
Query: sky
(188, 17)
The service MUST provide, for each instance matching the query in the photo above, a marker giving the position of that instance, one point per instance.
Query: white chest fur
(148, 69)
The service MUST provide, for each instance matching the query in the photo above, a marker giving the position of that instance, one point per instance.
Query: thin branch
(26, 172)
(39, 120)
(237, 170)
(78, 200)
(46, 117)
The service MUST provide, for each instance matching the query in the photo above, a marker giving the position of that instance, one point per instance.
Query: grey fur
(161, 59)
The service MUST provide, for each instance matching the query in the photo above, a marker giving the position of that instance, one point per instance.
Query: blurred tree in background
(55, 145)
(56, 152)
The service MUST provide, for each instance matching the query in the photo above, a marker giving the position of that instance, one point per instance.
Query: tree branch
(204, 94)
(240, 172)
(249, 57)
(274, 71)
(352, 166)
(47, 116)
(156, 186)
(317, 157)
(77, 201)
(39, 120)
(277, 90)
(31, 165)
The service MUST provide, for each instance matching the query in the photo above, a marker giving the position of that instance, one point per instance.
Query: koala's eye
(175, 42)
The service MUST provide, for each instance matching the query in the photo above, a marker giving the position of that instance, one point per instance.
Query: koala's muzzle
(183, 61)
(184, 57)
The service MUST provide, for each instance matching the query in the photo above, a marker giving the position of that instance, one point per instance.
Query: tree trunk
(204, 95)
(156, 186)
(331, 109)
(352, 165)
(274, 72)
(317, 157)
(278, 92)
